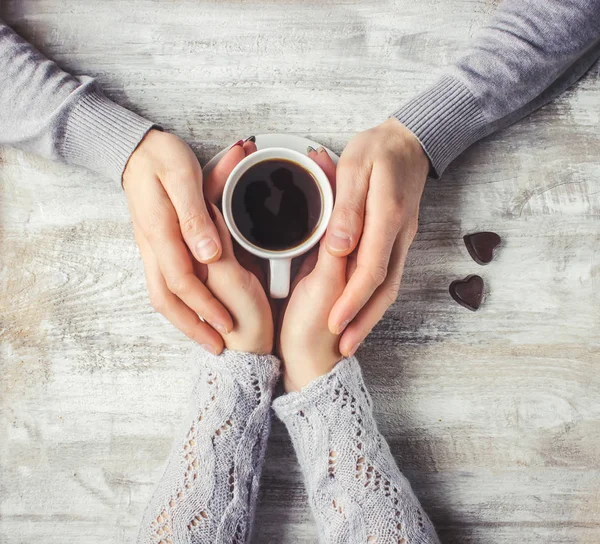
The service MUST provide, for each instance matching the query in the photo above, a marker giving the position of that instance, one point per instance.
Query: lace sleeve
(357, 493)
(209, 488)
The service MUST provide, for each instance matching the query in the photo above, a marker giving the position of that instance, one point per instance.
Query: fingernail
(221, 328)
(206, 249)
(211, 211)
(250, 139)
(343, 326)
(310, 149)
(353, 350)
(210, 349)
(241, 142)
(321, 149)
(339, 241)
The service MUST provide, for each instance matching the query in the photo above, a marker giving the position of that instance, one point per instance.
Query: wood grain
(493, 416)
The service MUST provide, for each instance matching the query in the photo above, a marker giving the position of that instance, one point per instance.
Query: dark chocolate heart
(482, 245)
(468, 292)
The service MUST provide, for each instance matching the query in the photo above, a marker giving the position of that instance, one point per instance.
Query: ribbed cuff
(446, 119)
(101, 135)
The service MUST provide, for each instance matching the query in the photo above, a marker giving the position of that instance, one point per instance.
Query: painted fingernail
(310, 149)
(353, 350)
(241, 142)
(211, 211)
(210, 349)
(343, 326)
(250, 139)
(339, 241)
(206, 249)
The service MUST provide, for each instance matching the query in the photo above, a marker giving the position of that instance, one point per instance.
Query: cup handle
(279, 280)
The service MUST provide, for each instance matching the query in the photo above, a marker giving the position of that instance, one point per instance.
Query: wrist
(409, 146)
(299, 374)
(140, 156)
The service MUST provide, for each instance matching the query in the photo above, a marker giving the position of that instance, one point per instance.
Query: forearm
(48, 112)
(531, 52)
(356, 490)
(209, 488)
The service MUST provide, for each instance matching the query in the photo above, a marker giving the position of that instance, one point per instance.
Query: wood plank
(493, 416)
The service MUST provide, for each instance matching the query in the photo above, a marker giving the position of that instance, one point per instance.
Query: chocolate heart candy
(481, 246)
(468, 292)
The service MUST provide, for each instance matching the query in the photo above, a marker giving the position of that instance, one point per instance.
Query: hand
(306, 345)
(234, 278)
(380, 179)
(241, 292)
(163, 184)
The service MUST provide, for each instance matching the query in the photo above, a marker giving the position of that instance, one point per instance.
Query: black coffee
(276, 205)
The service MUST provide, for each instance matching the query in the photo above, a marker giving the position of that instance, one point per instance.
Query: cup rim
(286, 154)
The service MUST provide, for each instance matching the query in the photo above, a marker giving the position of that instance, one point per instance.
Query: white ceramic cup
(279, 261)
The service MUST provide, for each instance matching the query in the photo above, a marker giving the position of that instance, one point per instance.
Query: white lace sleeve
(208, 491)
(357, 493)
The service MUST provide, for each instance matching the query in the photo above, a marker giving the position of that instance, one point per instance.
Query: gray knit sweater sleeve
(357, 493)
(209, 487)
(53, 114)
(531, 52)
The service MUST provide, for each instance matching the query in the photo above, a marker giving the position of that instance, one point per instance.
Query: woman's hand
(306, 345)
(234, 278)
(241, 292)
(380, 180)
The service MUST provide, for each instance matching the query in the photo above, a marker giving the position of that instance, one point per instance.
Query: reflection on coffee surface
(276, 205)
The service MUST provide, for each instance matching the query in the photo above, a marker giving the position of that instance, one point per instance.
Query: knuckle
(193, 224)
(391, 293)
(348, 216)
(376, 274)
(396, 204)
(180, 285)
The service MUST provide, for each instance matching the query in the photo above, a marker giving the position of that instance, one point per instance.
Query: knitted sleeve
(357, 493)
(529, 53)
(208, 490)
(44, 110)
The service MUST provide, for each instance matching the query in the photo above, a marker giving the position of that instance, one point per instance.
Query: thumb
(228, 254)
(346, 224)
(330, 271)
(184, 189)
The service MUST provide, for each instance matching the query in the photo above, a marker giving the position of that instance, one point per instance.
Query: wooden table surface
(493, 416)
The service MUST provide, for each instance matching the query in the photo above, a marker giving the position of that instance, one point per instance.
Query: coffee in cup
(277, 203)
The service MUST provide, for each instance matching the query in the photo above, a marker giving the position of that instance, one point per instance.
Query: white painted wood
(494, 416)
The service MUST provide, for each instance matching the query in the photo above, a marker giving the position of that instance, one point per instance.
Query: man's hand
(172, 226)
(380, 179)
